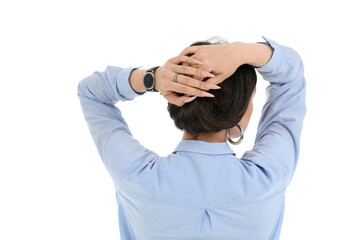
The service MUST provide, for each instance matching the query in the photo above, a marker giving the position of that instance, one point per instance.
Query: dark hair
(225, 110)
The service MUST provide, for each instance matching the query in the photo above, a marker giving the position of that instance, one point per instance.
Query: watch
(149, 80)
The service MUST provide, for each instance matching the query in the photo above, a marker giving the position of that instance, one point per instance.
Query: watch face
(148, 80)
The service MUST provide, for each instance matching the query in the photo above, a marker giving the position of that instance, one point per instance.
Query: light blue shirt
(201, 190)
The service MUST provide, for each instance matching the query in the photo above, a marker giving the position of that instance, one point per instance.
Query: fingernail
(207, 74)
(212, 86)
(189, 99)
(206, 94)
(197, 61)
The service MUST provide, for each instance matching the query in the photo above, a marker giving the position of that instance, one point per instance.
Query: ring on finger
(176, 77)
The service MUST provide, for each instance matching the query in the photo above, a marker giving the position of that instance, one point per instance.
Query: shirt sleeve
(98, 93)
(277, 142)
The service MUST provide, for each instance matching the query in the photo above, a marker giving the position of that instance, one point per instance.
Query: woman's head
(225, 110)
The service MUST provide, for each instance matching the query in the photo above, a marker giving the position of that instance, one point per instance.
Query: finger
(176, 99)
(216, 80)
(197, 77)
(184, 59)
(181, 88)
(195, 65)
(191, 71)
(204, 67)
(190, 99)
(192, 49)
(189, 81)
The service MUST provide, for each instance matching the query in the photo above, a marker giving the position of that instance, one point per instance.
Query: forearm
(98, 93)
(277, 142)
(254, 54)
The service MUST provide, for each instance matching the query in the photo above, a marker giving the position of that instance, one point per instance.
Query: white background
(52, 181)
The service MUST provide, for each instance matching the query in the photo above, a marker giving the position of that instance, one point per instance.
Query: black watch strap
(152, 69)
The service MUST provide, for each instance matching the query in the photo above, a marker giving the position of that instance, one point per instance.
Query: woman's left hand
(186, 81)
(220, 59)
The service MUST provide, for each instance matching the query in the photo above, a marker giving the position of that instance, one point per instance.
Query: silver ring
(240, 139)
(176, 76)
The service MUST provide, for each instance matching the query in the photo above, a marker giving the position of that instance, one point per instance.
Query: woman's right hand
(222, 60)
(188, 82)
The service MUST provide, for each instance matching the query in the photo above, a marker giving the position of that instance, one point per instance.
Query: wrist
(258, 54)
(157, 79)
(241, 52)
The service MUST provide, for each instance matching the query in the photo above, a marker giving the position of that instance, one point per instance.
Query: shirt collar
(199, 146)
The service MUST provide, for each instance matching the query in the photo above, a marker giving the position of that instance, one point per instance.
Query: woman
(202, 190)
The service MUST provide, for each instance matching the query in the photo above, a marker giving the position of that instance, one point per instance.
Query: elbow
(78, 88)
(81, 88)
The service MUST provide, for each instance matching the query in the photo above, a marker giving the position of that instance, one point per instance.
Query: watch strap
(152, 69)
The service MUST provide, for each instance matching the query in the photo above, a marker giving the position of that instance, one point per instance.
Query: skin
(215, 61)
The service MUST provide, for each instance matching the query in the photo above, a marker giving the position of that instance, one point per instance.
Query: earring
(241, 137)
